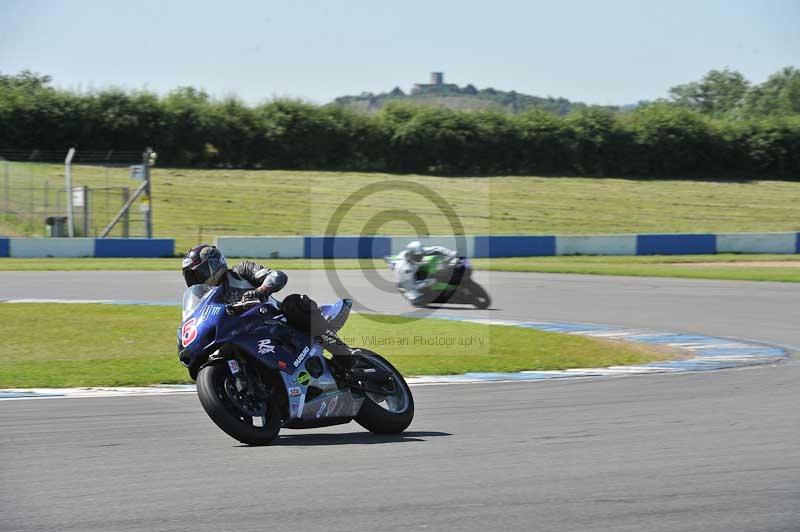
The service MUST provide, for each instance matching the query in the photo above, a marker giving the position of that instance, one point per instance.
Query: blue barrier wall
(676, 244)
(317, 247)
(515, 246)
(346, 247)
(134, 247)
(86, 247)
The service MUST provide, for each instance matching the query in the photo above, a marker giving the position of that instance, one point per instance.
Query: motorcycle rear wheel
(389, 413)
(480, 298)
(255, 423)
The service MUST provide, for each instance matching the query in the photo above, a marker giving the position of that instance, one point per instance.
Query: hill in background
(437, 93)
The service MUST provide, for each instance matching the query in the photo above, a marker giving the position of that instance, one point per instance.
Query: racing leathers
(251, 281)
(412, 280)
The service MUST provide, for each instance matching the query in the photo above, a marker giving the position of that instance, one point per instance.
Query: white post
(68, 186)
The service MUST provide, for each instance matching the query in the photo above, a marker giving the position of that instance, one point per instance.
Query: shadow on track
(456, 306)
(352, 438)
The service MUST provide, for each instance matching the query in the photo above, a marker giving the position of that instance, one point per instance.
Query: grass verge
(109, 345)
(724, 266)
(785, 268)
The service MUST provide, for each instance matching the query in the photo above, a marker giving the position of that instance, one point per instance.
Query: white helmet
(415, 251)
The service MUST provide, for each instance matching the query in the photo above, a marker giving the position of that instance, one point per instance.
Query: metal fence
(33, 199)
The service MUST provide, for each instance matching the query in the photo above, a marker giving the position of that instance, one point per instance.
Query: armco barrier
(86, 247)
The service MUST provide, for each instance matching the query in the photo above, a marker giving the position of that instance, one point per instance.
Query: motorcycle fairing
(337, 313)
(331, 402)
(263, 333)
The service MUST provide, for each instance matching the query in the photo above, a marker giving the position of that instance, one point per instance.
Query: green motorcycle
(437, 280)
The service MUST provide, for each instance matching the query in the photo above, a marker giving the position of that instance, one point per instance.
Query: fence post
(149, 158)
(46, 198)
(5, 188)
(85, 211)
(126, 194)
(68, 187)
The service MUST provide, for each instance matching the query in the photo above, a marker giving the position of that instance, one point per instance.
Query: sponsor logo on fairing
(321, 410)
(295, 392)
(264, 346)
(211, 310)
(303, 378)
(301, 357)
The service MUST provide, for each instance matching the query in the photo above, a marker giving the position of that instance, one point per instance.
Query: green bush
(189, 128)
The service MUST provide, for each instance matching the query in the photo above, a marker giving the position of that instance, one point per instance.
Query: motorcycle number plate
(234, 367)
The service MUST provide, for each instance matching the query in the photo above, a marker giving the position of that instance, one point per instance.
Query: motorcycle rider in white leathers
(407, 274)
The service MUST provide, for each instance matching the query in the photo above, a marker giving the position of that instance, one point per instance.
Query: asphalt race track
(713, 451)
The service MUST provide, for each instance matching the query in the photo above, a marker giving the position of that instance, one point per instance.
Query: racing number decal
(189, 332)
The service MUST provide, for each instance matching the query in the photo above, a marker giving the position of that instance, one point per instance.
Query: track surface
(710, 451)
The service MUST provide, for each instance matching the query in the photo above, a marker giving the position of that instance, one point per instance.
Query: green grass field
(195, 205)
(724, 266)
(110, 345)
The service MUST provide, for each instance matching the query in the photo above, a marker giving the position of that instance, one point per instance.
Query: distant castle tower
(437, 82)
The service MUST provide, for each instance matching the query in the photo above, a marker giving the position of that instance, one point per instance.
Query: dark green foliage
(451, 96)
(703, 134)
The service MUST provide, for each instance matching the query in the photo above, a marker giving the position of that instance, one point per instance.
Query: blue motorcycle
(256, 374)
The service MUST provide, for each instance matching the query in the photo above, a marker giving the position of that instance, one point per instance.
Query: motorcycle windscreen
(192, 297)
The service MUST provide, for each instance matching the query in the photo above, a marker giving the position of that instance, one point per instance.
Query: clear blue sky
(606, 52)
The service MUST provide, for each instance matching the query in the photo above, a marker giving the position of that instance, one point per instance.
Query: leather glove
(254, 295)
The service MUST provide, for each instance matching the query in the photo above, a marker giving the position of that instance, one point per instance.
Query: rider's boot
(343, 355)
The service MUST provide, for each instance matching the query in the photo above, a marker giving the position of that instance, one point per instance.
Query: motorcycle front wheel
(243, 416)
(389, 408)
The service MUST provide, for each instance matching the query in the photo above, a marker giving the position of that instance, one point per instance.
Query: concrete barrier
(686, 244)
(514, 246)
(134, 247)
(757, 243)
(399, 243)
(86, 247)
(346, 247)
(272, 247)
(51, 247)
(596, 245)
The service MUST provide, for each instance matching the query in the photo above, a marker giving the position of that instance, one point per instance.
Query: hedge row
(187, 128)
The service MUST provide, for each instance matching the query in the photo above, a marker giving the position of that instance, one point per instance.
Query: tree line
(702, 131)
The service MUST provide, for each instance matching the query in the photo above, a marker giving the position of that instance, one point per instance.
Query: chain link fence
(33, 200)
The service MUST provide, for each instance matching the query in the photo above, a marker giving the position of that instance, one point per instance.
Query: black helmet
(204, 264)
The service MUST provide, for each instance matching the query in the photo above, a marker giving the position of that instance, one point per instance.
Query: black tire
(478, 295)
(376, 418)
(211, 382)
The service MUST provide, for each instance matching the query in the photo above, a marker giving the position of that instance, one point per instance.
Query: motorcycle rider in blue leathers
(248, 281)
